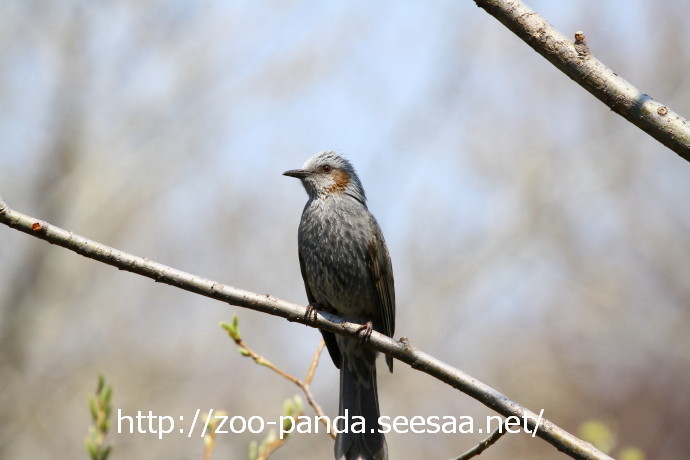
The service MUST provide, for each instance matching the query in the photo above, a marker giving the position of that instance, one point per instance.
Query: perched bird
(347, 271)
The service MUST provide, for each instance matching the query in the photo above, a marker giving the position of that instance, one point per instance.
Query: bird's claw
(365, 331)
(310, 314)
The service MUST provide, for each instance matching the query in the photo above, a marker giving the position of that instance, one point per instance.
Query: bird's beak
(298, 173)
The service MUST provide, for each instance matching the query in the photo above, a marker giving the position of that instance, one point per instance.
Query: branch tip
(619, 95)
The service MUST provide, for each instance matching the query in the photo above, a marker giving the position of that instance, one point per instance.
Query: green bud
(232, 329)
(299, 406)
(93, 408)
(107, 394)
(287, 425)
(271, 437)
(253, 450)
(91, 448)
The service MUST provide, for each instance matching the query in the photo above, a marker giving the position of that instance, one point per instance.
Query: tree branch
(575, 61)
(485, 444)
(401, 350)
(304, 385)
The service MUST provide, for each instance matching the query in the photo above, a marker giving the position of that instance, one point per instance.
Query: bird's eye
(326, 168)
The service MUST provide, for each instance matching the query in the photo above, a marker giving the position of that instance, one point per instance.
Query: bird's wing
(328, 337)
(381, 272)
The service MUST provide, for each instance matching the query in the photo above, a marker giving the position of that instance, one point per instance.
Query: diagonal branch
(485, 444)
(304, 385)
(575, 60)
(401, 350)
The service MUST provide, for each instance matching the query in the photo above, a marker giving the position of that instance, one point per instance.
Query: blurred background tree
(539, 241)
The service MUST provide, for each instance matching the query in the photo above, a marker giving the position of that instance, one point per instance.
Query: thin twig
(485, 444)
(302, 384)
(271, 447)
(210, 436)
(401, 350)
(314, 362)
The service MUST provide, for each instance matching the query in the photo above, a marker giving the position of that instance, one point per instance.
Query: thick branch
(654, 118)
(401, 350)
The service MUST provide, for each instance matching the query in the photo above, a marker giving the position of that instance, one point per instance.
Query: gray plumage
(347, 271)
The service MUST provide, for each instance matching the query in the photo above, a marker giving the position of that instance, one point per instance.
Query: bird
(347, 271)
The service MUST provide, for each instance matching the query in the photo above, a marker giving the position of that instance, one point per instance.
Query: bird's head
(328, 173)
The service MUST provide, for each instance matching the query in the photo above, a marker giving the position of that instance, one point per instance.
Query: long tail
(359, 398)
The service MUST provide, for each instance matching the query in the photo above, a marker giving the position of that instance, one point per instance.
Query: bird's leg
(365, 331)
(310, 314)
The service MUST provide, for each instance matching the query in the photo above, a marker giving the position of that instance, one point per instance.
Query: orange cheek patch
(340, 180)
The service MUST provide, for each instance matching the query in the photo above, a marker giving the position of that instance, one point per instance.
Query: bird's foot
(310, 314)
(365, 331)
